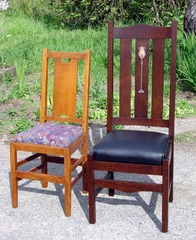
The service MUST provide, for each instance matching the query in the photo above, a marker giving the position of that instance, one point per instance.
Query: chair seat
(127, 146)
(50, 134)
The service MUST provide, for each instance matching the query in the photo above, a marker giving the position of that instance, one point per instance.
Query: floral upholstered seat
(50, 134)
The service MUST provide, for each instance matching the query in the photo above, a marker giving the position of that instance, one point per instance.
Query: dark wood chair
(137, 62)
(63, 127)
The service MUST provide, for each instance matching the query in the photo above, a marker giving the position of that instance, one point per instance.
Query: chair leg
(165, 196)
(171, 192)
(84, 163)
(111, 191)
(84, 180)
(67, 174)
(91, 192)
(14, 180)
(171, 179)
(44, 170)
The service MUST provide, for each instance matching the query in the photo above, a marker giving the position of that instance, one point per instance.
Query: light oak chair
(137, 51)
(63, 127)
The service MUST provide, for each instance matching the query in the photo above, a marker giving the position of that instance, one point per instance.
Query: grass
(27, 38)
(22, 41)
(186, 56)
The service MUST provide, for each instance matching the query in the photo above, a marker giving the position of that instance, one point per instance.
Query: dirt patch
(18, 108)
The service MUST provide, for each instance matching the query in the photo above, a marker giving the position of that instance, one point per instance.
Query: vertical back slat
(44, 85)
(141, 99)
(65, 80)
(73, 88)
(125, 77)
(157, 78)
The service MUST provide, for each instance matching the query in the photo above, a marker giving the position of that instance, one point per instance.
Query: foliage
(83, 13)
(186, 58)
(7, 77)
(20, 74)
(28, 37)
(35, 8)
(20, 125)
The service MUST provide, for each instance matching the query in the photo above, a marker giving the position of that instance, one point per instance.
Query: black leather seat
(128, 146)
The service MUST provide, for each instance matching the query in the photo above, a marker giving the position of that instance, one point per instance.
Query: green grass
(186, 56)
(23, 39)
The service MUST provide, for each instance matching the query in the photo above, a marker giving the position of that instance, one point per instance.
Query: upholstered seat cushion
(127, 146)
(50, 134)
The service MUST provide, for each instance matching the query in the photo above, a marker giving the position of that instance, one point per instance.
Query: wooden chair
(137, 51)
(63, 127)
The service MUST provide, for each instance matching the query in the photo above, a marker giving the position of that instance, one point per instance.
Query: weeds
(186, 56)
(21, 124)
(7, 78)
(12, 113)
(20, 74)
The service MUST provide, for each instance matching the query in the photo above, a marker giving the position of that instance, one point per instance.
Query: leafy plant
(85, 13)
(186, 55)
(15, 92)
(12, 112)
(35, 8)
(20, 125)
(184, 109)
(20, 74)
(37, 115)
(7, 78)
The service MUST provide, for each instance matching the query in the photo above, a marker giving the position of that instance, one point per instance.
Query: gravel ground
(40, 212)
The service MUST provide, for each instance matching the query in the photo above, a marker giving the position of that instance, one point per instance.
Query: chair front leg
(14, 179)
(165, 196)
(111, 191)
(171, 178)
(91, 191)
(84, 168)
(67, 183)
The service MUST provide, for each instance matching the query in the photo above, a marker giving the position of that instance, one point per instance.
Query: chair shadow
(83, 199)
(149, 208)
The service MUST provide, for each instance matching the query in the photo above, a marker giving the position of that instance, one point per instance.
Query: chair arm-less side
(62, 135)
(138, 59)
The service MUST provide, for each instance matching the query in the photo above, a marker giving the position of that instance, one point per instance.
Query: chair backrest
(65, 87)
(139, 57)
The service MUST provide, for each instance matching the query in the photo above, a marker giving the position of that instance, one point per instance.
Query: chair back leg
(165, 196)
